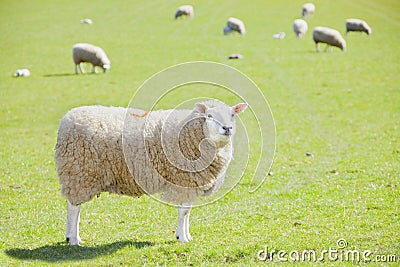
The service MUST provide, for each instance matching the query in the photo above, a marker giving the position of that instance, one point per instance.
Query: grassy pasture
(343, 108)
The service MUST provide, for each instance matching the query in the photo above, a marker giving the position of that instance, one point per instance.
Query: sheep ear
(200, 107)
(239, 108)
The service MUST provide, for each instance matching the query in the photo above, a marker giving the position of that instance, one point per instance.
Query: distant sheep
(86, 21)
(300, 27)
(308, 10)
(181, 154)
(22, 73)
(91, 54)
(234, 25)
(328, 36)
(357, 25)
(279, 35)
(186, 10)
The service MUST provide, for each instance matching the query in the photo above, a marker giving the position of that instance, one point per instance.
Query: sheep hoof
(183, 239)
(77, 243)
(73, 242)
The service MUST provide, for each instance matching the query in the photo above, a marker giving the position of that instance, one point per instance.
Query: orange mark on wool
(145, 113)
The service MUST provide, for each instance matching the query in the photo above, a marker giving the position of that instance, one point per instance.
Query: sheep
(185, 10)
(307, 10)
(86, 21)
(357, 25)
(234, 24)
(22, 73)
(181, 154)
(329, 36)
(279, 35)
(92, 54)
(300, 27)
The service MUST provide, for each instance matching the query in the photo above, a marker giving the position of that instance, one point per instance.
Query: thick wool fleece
(116, 150)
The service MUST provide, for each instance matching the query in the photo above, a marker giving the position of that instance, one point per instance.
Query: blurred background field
(341, 108)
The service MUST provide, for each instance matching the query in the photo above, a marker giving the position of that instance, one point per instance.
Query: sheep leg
(182, 232)
(73, 216)
(317, 46)
(82, 69)
(186, 224)
(94, 69)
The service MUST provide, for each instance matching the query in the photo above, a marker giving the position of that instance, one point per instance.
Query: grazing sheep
(300, 27)
(181, 154)
(307, 10)
(357, 25)
(234, 24)
(92, 54)
(328, 36)
(186, 10)
(86, 21)
(22, 73)
(279, 35)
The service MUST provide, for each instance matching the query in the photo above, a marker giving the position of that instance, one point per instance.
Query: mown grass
(343, 108)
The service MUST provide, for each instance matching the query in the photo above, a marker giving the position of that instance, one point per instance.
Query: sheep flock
(95, 153)
(331, 37)
(87, 53)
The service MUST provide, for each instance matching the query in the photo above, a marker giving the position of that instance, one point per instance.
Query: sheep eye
(209, 115)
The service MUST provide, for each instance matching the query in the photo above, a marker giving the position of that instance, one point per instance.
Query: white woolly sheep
(307, 10)
(300, 27)
(86, 21)
(22, 73)
(181, 154)
(357, 25)
(234, 25)
(186, 10)
(279, 35)
(91, 54)
(328, 36)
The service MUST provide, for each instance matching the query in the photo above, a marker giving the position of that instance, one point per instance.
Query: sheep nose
(227, 129)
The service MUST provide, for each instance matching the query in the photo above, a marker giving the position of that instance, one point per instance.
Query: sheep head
(220, 120)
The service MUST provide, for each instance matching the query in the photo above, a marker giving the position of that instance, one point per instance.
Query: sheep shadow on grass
(70, 74)
(62, 251)
(60, 75)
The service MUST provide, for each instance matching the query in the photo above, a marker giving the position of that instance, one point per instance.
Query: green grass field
(343, 108)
